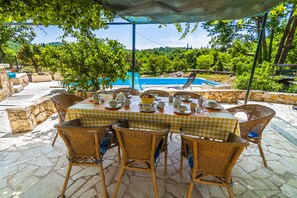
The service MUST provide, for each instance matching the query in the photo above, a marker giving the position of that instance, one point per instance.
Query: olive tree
(89, 64)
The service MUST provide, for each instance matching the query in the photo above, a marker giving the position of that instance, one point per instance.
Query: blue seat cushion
(253, 134)
(190, 159)
(158, 150)
(105, 144)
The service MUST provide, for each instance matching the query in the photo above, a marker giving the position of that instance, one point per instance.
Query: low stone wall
(26, 119)
(223, 96)
(41, 78)
(232, 96)
(6, 86)
(275, 97)
(21, 79)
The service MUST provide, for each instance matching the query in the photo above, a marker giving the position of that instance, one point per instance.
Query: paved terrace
(31, 167)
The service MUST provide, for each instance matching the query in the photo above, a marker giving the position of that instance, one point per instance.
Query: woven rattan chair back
(213, 158)
(82, 141)
(192, 94)
(84, 147)
(136, 143)
(62, 102)
(160, 93)
(138, 149)
(258, 117)
(133, 92)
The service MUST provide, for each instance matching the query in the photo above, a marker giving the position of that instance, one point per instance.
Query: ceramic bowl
(212, 104)
(182, 108)
(147, 106)
(113, 103)
(186, 97)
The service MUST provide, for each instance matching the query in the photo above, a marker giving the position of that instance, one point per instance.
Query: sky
(147, 36)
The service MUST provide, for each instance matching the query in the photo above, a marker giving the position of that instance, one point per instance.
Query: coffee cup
(212, 104)
(193, 106)
(182, 108)
(147, 106)
(177, 102)
(161, 105)
(127, 103)
(186, 97)
(113, 103)
(95, 98)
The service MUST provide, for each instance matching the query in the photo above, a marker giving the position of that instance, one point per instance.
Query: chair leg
(230, 191)
(102, 180)
(119, 154)
(155, 184)
(66, 180)
(181, 163)
(165, 159)
(118, 183)
(190, 189)
(171, 135)
(55, 138)
(262, 154)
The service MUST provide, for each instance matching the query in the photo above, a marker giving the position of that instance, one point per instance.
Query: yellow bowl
(147, 100)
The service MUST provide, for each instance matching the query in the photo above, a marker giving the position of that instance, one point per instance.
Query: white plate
(216, 108)
(188, 112)
(147, 110)
(113, 108)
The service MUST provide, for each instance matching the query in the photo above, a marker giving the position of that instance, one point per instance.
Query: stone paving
(31, 167)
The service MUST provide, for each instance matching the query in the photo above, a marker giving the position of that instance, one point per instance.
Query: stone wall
(41, 78)
(275, 97)
(232, 96)
(26, 119)
(21, 79)
(6, 86)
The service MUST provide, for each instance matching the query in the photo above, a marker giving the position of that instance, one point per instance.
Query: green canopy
(176, 11)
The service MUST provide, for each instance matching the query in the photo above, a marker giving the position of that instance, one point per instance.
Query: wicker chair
(193, 95)
(258, 117)
(140, 149)
(62, 102)
(86, 147)
(133, 92)
(211, 162)
(155, 91)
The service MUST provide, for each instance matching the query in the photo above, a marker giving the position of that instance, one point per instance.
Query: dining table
(206, 122)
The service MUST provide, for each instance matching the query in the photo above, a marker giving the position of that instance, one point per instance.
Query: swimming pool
(165, 81)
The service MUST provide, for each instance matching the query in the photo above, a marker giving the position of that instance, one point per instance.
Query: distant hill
(56, 44)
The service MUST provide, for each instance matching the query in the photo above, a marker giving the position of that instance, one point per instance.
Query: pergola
(172, 11)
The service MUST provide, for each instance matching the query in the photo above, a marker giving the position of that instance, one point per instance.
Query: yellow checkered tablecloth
(210, 123)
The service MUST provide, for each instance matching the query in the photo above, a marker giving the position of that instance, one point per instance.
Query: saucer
(147, 110)
(188, 112)
(113, 108)
(218, 107)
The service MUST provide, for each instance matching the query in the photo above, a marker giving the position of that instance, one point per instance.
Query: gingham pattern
(211, 124)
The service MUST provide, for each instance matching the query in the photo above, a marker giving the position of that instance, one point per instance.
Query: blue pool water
(166, 81)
